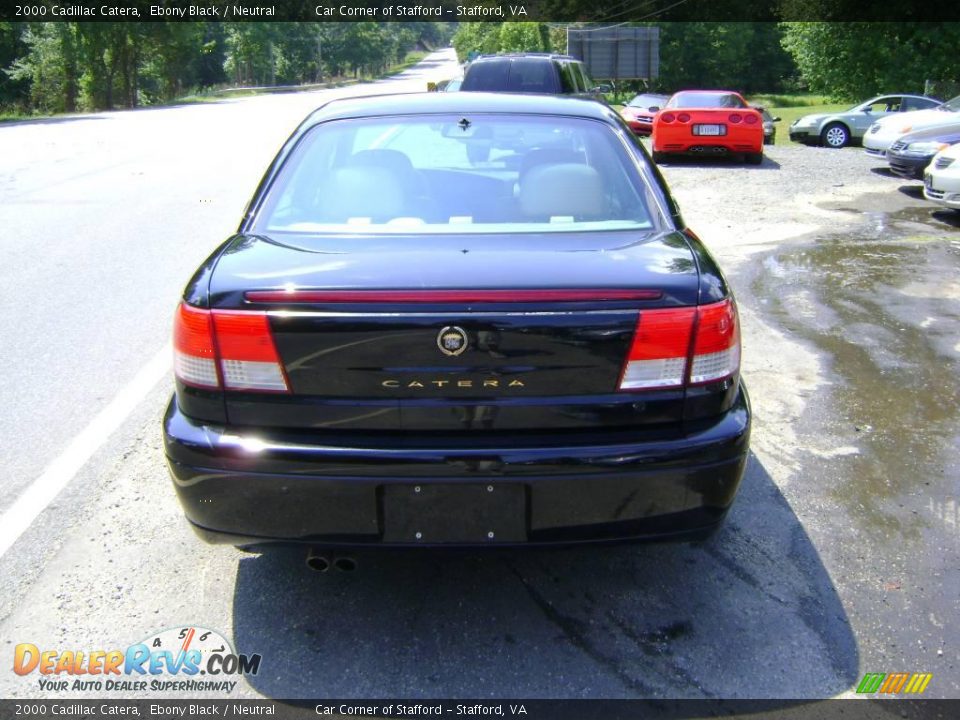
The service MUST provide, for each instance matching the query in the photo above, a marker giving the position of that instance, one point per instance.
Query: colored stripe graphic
(893, 683)
(871, 682)
(918, 683)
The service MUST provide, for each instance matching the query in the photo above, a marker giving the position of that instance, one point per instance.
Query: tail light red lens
(683, 117)
(735, 117)
(232, 347)
(674, 347)
(667, 117)
(716, 351)
(751, 119)
(658, 355)
(194, 358)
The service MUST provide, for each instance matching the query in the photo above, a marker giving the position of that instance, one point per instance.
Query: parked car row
(909, 131)
(837, 130)
(918, 136)
(922, 145)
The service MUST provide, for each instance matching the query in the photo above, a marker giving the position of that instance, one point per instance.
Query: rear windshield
(705, 100)
(951, 105)
(646, 101)
(456, 174)
(524, 75)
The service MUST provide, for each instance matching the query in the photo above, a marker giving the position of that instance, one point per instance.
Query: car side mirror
(601, 88)
(654, 108)
(776, 119)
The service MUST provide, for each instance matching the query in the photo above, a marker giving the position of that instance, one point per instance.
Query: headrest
(361, 192)
(565, 190)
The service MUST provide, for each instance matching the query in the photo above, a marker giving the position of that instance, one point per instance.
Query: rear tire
(754, 158)
(835, 135)
(659, 157)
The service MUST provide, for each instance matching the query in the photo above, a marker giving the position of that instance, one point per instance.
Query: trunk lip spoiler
(451, 296)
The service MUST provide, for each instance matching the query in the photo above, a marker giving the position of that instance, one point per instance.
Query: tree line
(843, 60)
(56, 67)
(67, 66)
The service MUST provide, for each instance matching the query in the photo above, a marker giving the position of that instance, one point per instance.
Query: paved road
(105, 217)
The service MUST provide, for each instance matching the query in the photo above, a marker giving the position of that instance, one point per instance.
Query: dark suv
(529, 73)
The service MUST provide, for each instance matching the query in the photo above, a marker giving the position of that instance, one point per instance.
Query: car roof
(706, 92)
(519, 55)
(451, 103)
(904, 95)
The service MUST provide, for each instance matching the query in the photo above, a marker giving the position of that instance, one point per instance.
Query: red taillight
(716, 351)
(735, 117)
(658, 355)
(751, 119)
(667, 117)
(248, 357)
(194, 358)
(663, 356)
(233, 346)
(683, 117)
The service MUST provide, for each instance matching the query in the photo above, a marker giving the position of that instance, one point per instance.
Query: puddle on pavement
(883, 306)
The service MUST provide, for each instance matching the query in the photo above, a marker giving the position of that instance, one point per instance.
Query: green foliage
(502, 37)
(521, 37)
(482, 37)
(852, 61)
(742, 56)
(61, 66)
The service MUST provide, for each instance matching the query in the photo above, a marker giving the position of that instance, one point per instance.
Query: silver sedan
(837, 130)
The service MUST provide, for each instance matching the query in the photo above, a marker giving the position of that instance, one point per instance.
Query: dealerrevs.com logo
(189, 659)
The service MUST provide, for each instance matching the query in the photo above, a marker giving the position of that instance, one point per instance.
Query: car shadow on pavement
(751, 613)
(913, 191)
(712, 162)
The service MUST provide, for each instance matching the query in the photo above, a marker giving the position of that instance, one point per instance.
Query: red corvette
(708, 122)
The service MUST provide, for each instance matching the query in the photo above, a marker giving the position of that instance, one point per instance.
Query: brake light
(658, 355)
(716, 351)
(248, 357)
(750, 119)
(735, 117)
(448, 296)
(194, 358)
(674, 347)
(683, 117)
(667, 117)
(232, 347)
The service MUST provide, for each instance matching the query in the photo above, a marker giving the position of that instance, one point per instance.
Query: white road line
(42, 491)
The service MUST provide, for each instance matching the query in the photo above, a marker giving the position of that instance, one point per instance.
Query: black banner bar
(854, 709)
(581, 11)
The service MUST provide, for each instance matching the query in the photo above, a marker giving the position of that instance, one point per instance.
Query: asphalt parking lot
(840, 556)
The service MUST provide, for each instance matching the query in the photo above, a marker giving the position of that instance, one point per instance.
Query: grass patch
(782, 100)
(792, 107)
(788, 114)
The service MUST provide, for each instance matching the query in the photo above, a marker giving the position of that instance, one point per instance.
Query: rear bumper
(286, 490)
(708, 147)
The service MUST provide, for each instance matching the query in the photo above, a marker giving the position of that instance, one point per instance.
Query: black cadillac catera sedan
(458, 319)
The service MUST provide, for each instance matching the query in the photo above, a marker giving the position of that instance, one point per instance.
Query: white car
(884, 132)
(941, 181)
